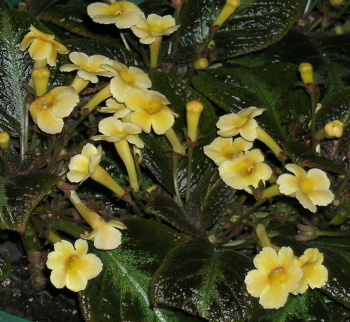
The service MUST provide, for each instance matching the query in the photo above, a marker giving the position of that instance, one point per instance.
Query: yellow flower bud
(306, 73)
(334, 129)
(4, 140)
(41, 78)
(201, 63)
(229, 8)
(194, 110)
(336, 3)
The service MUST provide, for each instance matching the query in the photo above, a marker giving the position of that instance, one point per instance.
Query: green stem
(176, 186)
(189, 172)
(313, 119)
(154, 51)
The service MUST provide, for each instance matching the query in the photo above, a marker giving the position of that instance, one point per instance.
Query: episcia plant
(188, 163)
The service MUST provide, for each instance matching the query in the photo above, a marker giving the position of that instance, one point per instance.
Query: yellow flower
(42, 46)
(4, 140)
(72, 267)
(115, 130)
(49, 110)
(119, 109)
(82, 165)
(86, 164)
(244, 171)
(88, 68)
(229, 8)
(149, 109)
(310, 188)
(315, 274)
(104, 235)
(334, 129)
(242, 123)
(223, 149)
(274, 278)
(154, 26)
(126, 78)
(122, 13)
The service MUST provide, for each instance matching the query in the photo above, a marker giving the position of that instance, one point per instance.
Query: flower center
(71, 262)
(126, 77)
(242, 121)
(229, 152)
(153, 107)
(305, 186)
(116, 9)
(277, 275)
(249, 170)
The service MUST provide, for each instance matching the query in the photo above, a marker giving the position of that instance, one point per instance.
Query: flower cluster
(239, 168)
(279, 273)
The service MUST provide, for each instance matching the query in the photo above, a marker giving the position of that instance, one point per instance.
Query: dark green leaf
(167, 209)
(254, 26)
(208, 200)
(336, 107)
(310, 306)
(201, 280)
(36, 7)
(15, 68)
(5, 267)
(19, 195)
(234, 89)
(121, 291)
(300, 154)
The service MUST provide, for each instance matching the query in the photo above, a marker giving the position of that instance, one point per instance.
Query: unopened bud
(306, 73)
(41, 78)
(194, 110)
(334, 129)
(4, 140)
(201, 63)
(229, 8)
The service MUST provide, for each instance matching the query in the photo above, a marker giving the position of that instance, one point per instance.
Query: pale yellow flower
(72, 267)
(105, 235)
(244, 171)
(88, 67)
(274, 278)
(48, 111)
(42, 46)
(126, 78)
(83, 165)
(315, 274)
(154, 26)
(306, 73)
(334, 129)
(119, 109)
(122, 13)
(310, 188)
(149, 109)
(224, 149)
(242, 123)
(115, 130)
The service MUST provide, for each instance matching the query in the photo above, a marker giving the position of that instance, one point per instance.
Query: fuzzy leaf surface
(202, 280)
(121, 291)
(254, 25)
(19, 195)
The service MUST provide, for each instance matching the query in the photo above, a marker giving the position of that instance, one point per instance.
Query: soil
(22, 297)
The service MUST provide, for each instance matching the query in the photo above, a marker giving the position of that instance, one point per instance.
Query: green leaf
(19, 195)
(202, 280)
(301, 154)
(165, 208)
(155, 154)
(310, 306)
(234, 89)
(121, 291)
(5, 267)
(209, 200)
(254, 25)
(37, 7)
(15, 68)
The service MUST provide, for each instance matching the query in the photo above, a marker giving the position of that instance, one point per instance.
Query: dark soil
(21, 295)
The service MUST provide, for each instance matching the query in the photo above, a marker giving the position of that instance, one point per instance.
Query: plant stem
(189, 172)
(176, 186)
